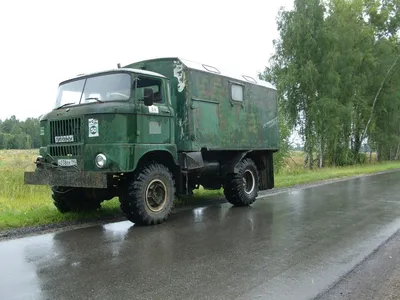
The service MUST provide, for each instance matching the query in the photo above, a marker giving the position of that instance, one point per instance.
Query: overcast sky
(45, 42)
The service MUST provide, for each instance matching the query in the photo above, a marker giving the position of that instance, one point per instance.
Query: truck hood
(90, 108)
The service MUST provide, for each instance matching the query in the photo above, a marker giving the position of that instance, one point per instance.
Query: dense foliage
(337, 69)
(16, 134)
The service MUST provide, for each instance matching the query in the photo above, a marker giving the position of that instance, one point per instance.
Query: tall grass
(30, 205)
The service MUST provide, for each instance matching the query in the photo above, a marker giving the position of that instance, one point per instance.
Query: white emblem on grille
(64, 139)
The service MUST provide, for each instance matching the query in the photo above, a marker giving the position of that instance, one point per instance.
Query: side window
(154, 84)
(237, 92)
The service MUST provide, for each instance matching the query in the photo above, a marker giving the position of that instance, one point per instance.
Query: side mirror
(148, 96)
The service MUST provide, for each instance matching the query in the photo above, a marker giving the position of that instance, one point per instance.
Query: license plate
(64, 139)
(67, 162)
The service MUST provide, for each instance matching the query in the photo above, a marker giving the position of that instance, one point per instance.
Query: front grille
(65, 131)
(73, 150)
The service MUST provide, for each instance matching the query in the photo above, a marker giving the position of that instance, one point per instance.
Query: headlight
(101, 160)
(39, 162)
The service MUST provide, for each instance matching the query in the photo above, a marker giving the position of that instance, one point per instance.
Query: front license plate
(67, 162)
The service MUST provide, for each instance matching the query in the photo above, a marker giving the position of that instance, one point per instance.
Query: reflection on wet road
(287, 246)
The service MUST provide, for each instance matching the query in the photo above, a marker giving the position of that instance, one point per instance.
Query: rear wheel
(68, 199)
(241, 189)
(148, 197)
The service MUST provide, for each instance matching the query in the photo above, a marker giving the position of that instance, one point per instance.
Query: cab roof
(110, 71)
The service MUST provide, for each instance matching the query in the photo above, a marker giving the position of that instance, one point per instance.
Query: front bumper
(64, 178)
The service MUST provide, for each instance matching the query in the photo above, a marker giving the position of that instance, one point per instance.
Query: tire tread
(233, 188)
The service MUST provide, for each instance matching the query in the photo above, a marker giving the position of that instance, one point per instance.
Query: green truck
(155, 130)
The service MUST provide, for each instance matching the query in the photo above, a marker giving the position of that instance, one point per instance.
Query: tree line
(337, 70)
(16, 134)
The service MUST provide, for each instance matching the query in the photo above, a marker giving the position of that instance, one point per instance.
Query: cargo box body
(218, 111)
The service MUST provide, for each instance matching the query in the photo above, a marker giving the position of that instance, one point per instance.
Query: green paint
(195, 111)
(206, 116)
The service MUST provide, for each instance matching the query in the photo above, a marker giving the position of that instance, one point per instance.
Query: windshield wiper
(95, 98)
(65, 105)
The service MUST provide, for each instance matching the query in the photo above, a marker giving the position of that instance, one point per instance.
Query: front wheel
(148, 198)
(68, 199)
(241, 189)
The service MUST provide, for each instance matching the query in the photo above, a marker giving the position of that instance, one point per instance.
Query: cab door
(154, 122)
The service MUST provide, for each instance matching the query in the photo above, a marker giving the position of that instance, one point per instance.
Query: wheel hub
(156, 195)
(248, 182)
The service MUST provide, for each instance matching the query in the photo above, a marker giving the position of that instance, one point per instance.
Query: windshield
(110, 87)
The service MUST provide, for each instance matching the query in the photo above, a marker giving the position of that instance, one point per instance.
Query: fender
(231, 166)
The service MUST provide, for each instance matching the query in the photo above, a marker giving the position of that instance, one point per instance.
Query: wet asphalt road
(292, 245)
(376, 278)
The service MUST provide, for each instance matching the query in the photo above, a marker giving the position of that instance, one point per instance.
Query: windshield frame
(85, 79)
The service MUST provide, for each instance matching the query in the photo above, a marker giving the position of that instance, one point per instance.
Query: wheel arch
(164, 157)
(258, 158)
(231, 166)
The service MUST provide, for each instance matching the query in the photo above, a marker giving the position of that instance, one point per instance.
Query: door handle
(165, 111)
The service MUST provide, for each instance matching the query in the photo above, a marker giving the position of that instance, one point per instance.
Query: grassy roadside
(300, 176)
(22, 206)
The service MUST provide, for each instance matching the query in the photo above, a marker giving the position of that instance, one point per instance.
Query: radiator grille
(65, 131)
(73, 150)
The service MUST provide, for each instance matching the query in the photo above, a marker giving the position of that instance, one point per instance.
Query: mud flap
(267, 179)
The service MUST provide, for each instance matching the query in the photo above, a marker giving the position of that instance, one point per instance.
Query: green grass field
(25, 205)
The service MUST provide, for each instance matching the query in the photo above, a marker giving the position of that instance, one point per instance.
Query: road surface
(376, 278)
(293, 245)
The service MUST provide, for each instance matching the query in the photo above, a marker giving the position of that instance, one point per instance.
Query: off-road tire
(234, 190)
(68, 199)
(133, 201)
